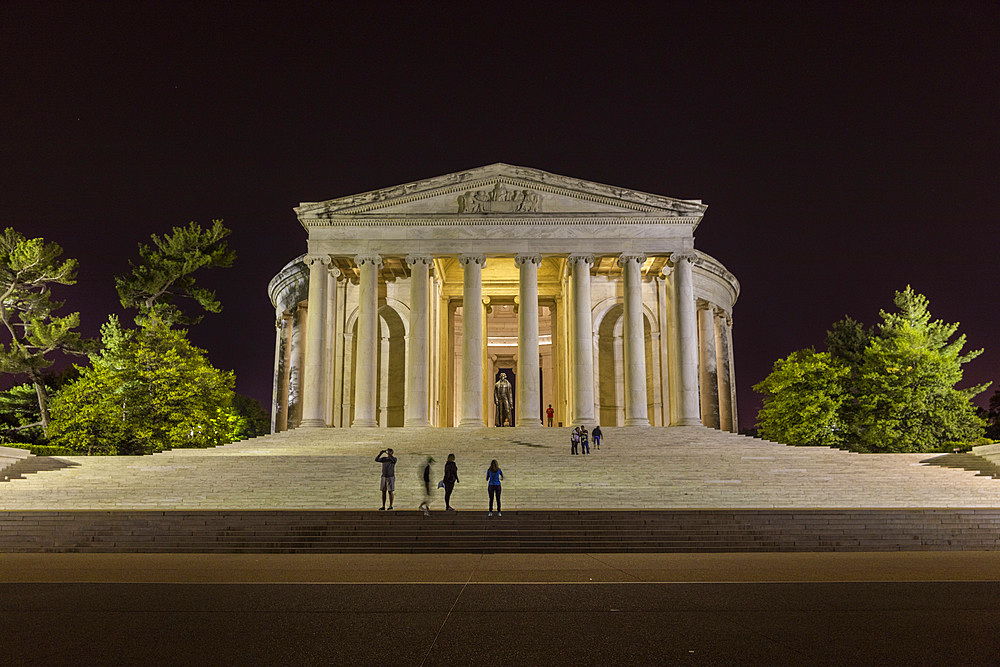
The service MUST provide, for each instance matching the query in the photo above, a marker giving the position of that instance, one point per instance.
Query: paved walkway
(679, 467)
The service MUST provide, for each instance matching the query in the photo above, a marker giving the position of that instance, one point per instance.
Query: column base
(687, 421)
(312, 423)
(471, 423)
(637, 422)
(529, 423)
(416, 423)
(364, 423)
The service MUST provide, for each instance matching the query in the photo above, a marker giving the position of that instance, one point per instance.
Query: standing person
(450, 479)
(597, 435)
(426, 505)
(584, 445)
(493, 477)
(549, 412)
(574, 440)
(388, 475)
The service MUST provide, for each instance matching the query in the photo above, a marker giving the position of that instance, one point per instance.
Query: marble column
(368, 341)
(296, 344)
(313, 380)
(330, 349)
(722, 366)
(527, 412)
(472, 340)
(634, 341)
(732, 374)
(688, 412)
(417, 366)
(279, 333)
(582, 378)
(708, 371)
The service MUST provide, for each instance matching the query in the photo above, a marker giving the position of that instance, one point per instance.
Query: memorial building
(411, 302)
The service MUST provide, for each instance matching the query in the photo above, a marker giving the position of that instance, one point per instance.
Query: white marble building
(590, 297)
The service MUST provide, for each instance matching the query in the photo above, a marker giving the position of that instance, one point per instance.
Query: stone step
(547, 531)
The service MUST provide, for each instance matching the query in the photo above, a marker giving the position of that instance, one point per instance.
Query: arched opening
(611, 367)
(390, 382)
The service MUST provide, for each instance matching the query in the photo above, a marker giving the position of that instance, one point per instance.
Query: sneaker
(490, 514)
(498, 514)
(427, 512)
(450, 509)
(381, 509)
(390, 508)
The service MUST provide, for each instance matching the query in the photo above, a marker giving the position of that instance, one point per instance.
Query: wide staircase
(522, 531)
(675, 489)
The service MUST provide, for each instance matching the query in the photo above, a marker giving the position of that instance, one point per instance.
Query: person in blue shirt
(493, 477)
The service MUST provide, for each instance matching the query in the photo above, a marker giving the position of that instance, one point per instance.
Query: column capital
(312, 260)
(703, 304)
(585, 257)
(419, 259)
(368, 258)
(522, 258)
(626, 257)
(467, 259)
(683, 256)
(334, 271)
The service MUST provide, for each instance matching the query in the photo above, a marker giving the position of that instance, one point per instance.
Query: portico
(410, 300)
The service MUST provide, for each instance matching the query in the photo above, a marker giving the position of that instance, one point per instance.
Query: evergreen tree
(28, 269)
(890, 390)
(993, 417)
(907, 394)
(163, 277)
(148, 390)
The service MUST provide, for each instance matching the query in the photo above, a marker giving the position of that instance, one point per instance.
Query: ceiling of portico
(499, 271)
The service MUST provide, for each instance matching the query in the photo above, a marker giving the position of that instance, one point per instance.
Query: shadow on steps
(34, 464)
(971, 462)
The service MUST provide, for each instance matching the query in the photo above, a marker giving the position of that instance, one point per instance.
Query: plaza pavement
(678, 467)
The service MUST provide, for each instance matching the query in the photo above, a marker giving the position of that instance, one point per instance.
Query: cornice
(494, 220)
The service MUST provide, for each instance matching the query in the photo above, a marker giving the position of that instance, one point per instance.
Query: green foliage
(28, 269)
(163, 277)
(254, 421)
(890, 390)
(43, 450)
(803, 399)
(992, 417)
(148, 390)
(20, 419)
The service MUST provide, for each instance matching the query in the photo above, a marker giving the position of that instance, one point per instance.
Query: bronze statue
(503, 401)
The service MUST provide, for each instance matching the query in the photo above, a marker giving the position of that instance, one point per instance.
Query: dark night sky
(844, 149)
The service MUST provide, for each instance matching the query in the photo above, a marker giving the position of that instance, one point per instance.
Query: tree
(888, 390)
(20, 419)
(254, 420)
(28, 269)
(908, 399)
(149, 389)
(804, 399)
(993, 417)
(164, 277)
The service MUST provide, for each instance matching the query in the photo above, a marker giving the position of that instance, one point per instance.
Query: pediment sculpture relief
(499, 199)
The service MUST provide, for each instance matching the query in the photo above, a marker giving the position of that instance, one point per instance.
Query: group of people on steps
(494, 475)
(579, 441)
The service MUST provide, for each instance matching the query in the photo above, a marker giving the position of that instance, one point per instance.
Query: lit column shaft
(368, 341)
(634, 348)
(472, 340)
(417, 367)
(687, 338)
(527, 413)
(583, 341)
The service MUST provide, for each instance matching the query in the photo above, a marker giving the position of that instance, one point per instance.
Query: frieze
(499, 199)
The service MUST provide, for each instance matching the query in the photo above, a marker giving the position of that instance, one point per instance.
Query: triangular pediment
(500, 189)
